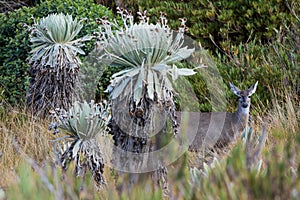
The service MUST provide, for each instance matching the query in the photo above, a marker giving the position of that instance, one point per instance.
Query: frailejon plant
(54, 64)
(82, 124)
(142, 94)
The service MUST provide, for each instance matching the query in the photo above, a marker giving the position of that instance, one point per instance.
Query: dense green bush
(227, 22)
(14, 41)
(275, 66)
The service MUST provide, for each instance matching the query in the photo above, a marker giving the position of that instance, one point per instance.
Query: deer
(217, 129)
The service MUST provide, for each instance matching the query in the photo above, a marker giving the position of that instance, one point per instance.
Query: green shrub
(274, 65)
(14, 41)
(226, 22)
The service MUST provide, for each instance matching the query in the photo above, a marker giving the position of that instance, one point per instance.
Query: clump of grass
(285, 115)
(231, 179)
(31, 135)
(47, 182)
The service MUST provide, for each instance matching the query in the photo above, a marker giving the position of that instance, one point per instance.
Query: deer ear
(235, 89)
(252, 89)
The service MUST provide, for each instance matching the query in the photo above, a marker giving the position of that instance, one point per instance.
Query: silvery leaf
(185, 72)
(120, 73)
(160, 67)
(181, 54)
(138, 87)
(119, 89)
(133, 72)
(168, 84)
(157, 85)
(150, 86)
(76, 148)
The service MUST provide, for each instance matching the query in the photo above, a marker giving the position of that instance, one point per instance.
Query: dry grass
(31, 135)
(284, 118)
(34, 139)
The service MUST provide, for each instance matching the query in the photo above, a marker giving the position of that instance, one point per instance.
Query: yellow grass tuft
(31, 134)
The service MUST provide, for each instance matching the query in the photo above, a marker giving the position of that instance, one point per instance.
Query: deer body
(217, 128)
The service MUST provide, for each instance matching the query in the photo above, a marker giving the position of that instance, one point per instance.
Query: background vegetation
(247, 40)
(237, 35)
(14, 40)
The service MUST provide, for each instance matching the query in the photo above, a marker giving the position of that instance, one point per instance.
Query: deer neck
(241, 117)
